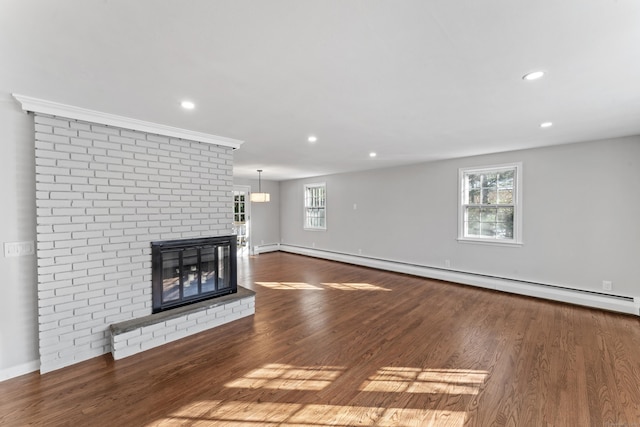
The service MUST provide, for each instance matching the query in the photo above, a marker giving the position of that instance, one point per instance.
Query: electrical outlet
(447, 263)
(607, 285)
(359, 251)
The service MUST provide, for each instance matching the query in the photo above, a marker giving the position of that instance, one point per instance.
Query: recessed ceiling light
(312, 139)
(372, 154)
(546, 125)
(188, 105)
(535, 75)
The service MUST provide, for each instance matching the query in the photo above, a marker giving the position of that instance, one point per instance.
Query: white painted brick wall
(147, 337)
(102, 195)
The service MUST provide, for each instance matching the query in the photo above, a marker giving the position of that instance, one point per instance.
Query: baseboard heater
(619, 303)
(270, 247)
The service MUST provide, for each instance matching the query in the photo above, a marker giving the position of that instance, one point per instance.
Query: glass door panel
(190, 273)
(224, 279)
(171, 276)
(208, 269)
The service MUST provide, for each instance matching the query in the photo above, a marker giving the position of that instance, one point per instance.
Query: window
(490, 204)
(239, 203)
(315, 210)
(241, 214)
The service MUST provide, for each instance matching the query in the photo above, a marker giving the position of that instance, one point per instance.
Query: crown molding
(35, 105)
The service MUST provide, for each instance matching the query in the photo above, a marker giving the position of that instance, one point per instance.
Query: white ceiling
(411, 80)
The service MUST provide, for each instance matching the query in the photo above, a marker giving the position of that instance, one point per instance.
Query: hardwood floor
(340, 345)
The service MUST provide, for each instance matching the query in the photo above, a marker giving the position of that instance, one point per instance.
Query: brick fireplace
(104, 192)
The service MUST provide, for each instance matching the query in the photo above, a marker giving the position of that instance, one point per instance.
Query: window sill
(314, 229)
(490, 242)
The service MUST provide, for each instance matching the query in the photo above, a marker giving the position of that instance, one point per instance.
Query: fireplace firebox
(191, 270)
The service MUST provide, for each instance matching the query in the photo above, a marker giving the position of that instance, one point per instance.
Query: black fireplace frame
(158, 249)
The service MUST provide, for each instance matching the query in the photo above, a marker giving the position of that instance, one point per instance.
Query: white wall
(265, 217)
(18, 304)
(103, 194)
(581, 216)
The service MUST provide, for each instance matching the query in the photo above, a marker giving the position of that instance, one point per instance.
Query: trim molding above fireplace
(43, 106)
(191, 270)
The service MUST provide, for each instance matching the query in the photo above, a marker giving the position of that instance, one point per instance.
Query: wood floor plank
(340, 345)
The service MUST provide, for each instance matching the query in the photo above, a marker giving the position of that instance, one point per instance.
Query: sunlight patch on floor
(415, 380)
(315, 378)
(288, 377)
(324, 286)
(238, 413)
(288, 285)
(356, 287)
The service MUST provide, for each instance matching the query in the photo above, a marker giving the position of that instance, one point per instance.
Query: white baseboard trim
(261, 249)
(16, 371)
(623, 304)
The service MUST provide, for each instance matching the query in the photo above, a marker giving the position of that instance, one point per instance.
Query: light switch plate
(12, 249)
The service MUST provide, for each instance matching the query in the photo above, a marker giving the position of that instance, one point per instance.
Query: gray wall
(18, 305)
(265, 217)
(580, 223)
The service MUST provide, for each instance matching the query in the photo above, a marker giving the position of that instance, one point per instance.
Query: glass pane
(488, 229)
(473, 181)
(170, 276)
(473, 214)
(473, 228)
(490, 180)
(489, 196)
(474, 197)
(505, 196)
(505, 179)
(504, 230)
(505, 215)
(208, 269)
(488, 214)
(508, 233)
(190, 273)
(224, 262)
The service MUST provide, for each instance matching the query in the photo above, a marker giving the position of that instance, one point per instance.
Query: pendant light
(260, 197)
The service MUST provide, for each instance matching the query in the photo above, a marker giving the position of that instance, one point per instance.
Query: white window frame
(516, 203)
(306, 224)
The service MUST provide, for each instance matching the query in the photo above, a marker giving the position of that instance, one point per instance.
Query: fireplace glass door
(171, 276)
(187, 271)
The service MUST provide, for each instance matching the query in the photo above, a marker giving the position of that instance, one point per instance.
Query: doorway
(242, 219)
